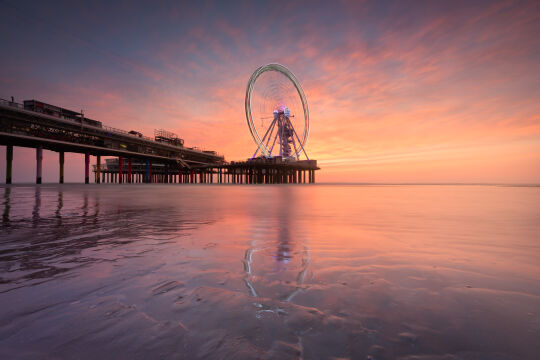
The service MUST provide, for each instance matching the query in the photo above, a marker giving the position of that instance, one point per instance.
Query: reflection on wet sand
(58, 212)
(33, 245)
(274, 230)
(273, 272)
(37, 206)
(7, 207)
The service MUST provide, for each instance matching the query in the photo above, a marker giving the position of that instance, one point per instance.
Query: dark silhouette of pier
(138, 158)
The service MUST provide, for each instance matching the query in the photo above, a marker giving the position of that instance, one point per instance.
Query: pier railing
(11, 103)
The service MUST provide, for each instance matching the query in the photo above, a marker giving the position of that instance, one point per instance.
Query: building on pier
(43, 126)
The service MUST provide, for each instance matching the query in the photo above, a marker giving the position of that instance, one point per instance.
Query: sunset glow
(397, 91)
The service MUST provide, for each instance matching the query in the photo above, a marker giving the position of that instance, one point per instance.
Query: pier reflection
(37, 206)
(47, 231)
(7, 206)
(59, 208)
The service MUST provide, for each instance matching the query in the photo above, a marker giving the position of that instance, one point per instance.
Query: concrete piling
(39, 160)
(98, 169)
(120, 170)
(9, 163)
(129, 170)
(87, 168)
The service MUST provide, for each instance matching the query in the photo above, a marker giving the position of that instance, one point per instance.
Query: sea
(298, 271)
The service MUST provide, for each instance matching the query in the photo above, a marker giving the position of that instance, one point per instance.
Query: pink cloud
(456, 85)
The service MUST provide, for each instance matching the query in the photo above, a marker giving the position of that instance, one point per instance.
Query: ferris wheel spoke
(294, 143)
(275, 138)
(299, 143)
(265, 135)
(270, 136)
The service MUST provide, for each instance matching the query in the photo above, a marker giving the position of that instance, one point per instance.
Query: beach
(277, 271)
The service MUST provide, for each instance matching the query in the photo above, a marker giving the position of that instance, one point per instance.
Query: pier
(255, 171)
(41, 126)
(135, 158)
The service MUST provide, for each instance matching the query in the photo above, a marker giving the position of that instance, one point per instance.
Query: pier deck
(256, 171)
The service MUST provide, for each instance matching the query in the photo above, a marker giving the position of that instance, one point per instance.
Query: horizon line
(319, 183)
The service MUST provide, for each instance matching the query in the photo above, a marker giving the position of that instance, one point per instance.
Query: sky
(405, 91)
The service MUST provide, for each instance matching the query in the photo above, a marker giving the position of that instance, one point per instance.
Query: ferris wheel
(277, 109)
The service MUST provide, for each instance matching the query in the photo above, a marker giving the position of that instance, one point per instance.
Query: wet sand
(270, 272)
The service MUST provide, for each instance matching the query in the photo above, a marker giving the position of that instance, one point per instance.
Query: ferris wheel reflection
(277, 261)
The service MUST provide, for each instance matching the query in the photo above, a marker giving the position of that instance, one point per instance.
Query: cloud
(387, 83)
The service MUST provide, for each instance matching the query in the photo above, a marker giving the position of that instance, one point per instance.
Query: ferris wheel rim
(252, 128)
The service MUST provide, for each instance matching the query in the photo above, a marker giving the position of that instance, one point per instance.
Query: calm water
(281, 272)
